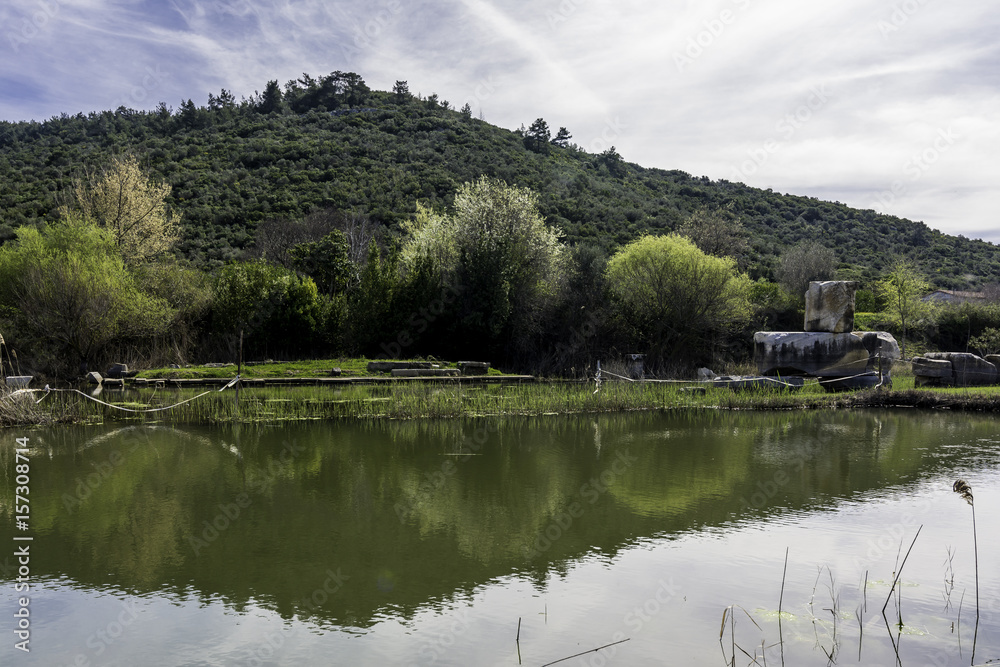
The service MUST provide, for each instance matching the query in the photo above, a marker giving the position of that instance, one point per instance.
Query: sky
(891, 106)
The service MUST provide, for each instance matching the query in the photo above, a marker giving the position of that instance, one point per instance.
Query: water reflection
(352, 524)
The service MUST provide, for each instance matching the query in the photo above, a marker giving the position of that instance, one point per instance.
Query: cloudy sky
(887, 105)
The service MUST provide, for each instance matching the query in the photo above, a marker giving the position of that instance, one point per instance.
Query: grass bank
(433, 400)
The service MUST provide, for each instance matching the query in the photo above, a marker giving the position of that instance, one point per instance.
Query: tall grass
(417, 400)
(20, 407)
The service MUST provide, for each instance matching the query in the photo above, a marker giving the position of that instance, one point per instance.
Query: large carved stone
(967, 369)
(830, 306)
(931, 368)
(823, 354)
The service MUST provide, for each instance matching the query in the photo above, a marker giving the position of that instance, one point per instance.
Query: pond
(509, 541)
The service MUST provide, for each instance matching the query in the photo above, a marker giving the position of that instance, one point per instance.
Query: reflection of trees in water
(325, 495)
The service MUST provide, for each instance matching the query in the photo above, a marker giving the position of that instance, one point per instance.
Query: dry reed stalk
(962, 488)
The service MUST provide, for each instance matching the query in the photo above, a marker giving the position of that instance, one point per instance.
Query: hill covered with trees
(333, 143)
(324, 218)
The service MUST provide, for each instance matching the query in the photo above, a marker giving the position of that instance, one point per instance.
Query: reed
(962, 488)
(419, 400)
(729, 614)
(21, 407)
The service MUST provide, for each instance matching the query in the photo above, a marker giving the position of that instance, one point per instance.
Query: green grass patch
(312, 368)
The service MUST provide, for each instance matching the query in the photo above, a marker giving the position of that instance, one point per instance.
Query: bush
(278, 311)
(677, 302)
(70, 301)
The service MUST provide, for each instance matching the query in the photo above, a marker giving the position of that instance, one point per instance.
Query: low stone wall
(389, 366)
(423, 372)
(955, 369)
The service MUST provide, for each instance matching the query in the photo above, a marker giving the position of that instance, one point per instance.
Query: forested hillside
(334, 143)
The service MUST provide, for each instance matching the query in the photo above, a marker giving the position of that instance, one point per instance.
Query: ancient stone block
(855, 382)
(931, 368)
(830, 306)
(473, 367)
(967, 369)
(388, 366)
(423, 372)
(822, 354)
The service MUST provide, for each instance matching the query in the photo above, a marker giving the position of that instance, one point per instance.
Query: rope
(48, 390)
(777, 380)
(118, 407)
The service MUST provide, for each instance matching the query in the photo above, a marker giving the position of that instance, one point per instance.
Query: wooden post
(239, 372)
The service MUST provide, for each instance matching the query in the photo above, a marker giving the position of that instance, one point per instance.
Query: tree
(613, 161)
(70, 298)
(902, 291)
(277, 310)
(190, 115)
(326, 261)
(188, 293)
(674, 297)
(466, 110)
(499, 253)
(804, 263)
(370, 305)
(225, 101)
(270, 101)
(719, 233)
(537, 137)
(987, 342)
(562, 138)
(122, 198)
(274, 239)
(401, 92)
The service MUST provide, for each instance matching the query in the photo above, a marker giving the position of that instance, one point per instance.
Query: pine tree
(537, 137)
(562, 138)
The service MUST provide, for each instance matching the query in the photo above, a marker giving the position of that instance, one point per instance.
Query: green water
(427, 543)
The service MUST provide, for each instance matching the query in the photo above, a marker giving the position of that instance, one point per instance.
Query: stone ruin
(828, 348)
(955, 369)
